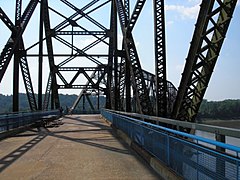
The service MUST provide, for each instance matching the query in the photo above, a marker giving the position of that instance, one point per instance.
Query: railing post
(238, 164)
(220, 138)
(168, 151)
(220, 165)
(197, 163)
(7, 124)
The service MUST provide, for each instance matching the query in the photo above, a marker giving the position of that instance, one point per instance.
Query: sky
(180, 18)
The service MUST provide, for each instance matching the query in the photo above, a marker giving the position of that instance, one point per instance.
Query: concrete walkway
(83, 147)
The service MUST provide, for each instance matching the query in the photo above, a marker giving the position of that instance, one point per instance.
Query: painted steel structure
(115, 72)
(210, 32)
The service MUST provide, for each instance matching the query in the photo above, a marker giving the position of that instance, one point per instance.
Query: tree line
(227, 109)
(66, 102)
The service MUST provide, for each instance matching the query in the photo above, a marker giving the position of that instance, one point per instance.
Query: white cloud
(169, 23)
(194, 1)
(179, 67)
(185, 12)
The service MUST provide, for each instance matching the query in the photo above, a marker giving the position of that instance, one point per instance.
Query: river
(223, 123)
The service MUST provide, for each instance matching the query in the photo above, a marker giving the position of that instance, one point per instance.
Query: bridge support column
(17, 56)
(40, 61)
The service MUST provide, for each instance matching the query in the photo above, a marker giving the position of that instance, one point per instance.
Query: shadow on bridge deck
(83, 147)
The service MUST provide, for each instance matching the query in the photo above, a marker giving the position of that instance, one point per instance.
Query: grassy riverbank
(223, 123)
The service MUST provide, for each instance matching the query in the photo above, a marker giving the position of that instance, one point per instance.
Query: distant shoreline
(234, 123)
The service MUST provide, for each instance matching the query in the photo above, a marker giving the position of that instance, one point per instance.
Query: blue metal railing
(15, 120)
(186, 157)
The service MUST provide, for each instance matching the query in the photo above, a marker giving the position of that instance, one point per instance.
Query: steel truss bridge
(111, 70)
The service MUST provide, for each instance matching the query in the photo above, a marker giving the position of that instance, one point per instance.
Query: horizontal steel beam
(81, 33)
(75, 55)
(89, 87)
(81, 68)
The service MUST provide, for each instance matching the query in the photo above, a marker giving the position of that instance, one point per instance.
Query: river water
(229, 124)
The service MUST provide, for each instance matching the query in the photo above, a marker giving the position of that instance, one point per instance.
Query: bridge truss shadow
(16, 154)
(92, 133)
(97, 141)
(98, 128)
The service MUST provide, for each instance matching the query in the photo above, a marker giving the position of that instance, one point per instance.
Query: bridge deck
(83, 147)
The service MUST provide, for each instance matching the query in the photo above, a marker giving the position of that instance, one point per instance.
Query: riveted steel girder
(210, 32)
(21, 59)
(111, 81)
(138, 83)
(54, 87)
(28, 82)
(124, 82)
(160, 58)
(40, 59)
(136, 12)
(81, 33)
(17, 56)
(11, 45)
(47, 93)
(6, 20)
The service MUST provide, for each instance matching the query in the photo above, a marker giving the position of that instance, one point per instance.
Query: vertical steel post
(54, 87)
(116, 75)
(16, 80)
(40, 61)
(127, 63)
(17, 56)
(110, 61)
(160, 58)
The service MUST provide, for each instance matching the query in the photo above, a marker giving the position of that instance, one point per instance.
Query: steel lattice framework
(116, 72)
(211, 29)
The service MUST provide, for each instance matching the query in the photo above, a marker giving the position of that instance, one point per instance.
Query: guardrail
(180, 151)
(15, 120)
(184, 124)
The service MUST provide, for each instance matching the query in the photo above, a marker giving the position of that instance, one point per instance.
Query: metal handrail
(190, 156)
(12, 121)
(231, 132)
(190, 136)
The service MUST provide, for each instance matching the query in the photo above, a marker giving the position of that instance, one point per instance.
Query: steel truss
(119, 77)
(15, 46)
(98, 74)
(160, 55)
(58, 34)
(209, 35)
(138, 83)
